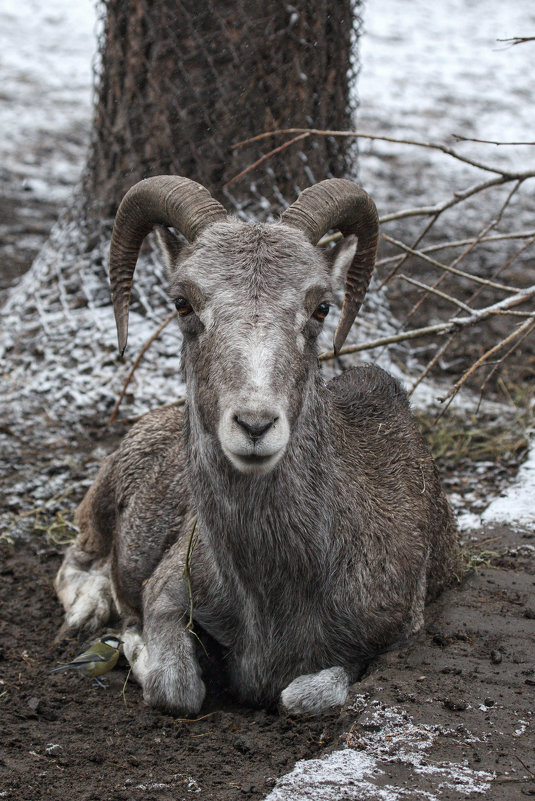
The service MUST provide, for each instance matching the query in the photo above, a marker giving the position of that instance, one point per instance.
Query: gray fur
(319, 539)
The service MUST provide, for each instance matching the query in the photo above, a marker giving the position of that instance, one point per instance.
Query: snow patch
(383, 735)
(46, 51)
(517, 505)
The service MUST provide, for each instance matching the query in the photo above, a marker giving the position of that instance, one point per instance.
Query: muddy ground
(470, 677)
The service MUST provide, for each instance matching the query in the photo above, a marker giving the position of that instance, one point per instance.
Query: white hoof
(316, 692)
(86, 597)
(174, 685)
(135, 651)
(174, 689)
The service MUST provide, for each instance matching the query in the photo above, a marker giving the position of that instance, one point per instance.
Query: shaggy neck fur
(242, 516)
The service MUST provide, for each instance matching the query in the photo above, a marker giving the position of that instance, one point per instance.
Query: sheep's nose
(254, 425)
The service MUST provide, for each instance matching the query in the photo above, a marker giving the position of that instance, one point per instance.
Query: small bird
(100, 658)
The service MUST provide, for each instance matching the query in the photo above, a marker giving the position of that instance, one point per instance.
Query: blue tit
(100, 658)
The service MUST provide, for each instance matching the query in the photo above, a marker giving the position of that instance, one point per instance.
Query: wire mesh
(180, 82)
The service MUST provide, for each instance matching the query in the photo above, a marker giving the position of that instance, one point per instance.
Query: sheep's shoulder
(154, 441)
(373, 417)
(369, 391)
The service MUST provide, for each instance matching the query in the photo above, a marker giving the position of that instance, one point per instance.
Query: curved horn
(163, 200)
(337, 203)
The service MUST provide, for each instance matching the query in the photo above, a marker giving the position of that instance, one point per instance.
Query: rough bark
(181, 81)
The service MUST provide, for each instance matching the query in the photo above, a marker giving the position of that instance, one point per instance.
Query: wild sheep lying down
(300, 524)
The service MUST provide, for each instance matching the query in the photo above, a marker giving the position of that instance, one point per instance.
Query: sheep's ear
(340, 258)
(170, 245)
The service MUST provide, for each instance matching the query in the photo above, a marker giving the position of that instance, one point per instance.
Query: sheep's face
(251, 301)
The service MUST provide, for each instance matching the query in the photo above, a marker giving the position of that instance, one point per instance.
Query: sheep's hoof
(178, 693)
(135, 651)
(316, 692)
(174, 687)
(86, 596)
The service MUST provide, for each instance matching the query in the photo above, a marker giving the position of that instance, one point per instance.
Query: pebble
(456, 705)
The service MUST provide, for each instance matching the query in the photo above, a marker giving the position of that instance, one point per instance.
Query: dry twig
(136, 364)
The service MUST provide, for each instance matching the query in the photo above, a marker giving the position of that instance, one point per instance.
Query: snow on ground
(46, 53)
(518, 504)
(359, 771)
(431, 70)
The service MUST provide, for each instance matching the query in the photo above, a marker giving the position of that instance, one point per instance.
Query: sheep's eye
(321, 312)
(183, 306)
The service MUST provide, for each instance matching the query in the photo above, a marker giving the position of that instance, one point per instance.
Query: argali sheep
(300, 524)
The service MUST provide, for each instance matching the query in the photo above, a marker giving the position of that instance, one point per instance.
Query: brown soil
(471, 673)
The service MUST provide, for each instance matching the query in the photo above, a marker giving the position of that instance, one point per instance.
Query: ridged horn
(163, 200)
(337, 203)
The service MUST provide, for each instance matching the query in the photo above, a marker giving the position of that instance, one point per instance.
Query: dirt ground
(470, 677)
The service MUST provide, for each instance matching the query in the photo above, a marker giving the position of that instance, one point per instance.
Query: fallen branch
(454, 324)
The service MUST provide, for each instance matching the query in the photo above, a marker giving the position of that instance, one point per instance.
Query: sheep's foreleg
(163, 658)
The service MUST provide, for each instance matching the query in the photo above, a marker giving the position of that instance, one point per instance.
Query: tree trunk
(182, 81)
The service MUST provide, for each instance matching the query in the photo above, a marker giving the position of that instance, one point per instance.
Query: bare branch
(454, 324)
(439, 353)
(447, 267)
(374, 137)
(516, 40)
(461, 138)
(528, 330)
(482, 359)
(265, 157)
(473, 244)
(459, 243)
(432, 290)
